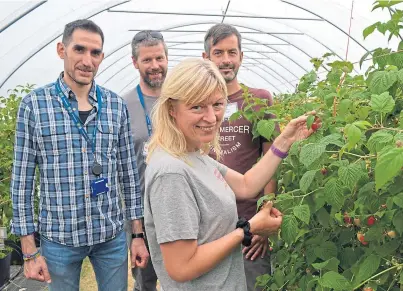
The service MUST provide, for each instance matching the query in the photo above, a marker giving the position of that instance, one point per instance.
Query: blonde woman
(190, 212)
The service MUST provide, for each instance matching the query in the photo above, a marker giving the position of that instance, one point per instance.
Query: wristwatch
(138, 235)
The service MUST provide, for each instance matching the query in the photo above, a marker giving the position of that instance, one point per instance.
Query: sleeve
(23, 174)
(221, 168)
(174, 208)
(127, 168)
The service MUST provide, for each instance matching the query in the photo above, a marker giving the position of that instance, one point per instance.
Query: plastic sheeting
(279, 36)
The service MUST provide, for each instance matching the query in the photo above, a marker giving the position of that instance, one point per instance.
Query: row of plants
(341, 190)
(9, 248)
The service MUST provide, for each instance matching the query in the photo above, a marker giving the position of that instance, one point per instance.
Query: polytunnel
(279, 36)
(281, 170)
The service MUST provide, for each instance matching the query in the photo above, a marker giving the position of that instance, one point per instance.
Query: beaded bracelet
(27, 257)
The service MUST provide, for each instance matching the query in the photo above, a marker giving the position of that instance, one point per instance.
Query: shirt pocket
(53, 139)
(108, 137)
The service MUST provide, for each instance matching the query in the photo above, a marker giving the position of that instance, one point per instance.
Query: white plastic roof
(279, 36)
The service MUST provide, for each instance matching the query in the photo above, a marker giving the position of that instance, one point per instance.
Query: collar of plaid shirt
(67, 213)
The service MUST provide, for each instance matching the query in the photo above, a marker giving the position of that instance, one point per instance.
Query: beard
(81, 82)
(154, 83)
(228, 77)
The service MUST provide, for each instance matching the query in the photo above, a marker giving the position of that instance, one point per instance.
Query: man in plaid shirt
(78, 135)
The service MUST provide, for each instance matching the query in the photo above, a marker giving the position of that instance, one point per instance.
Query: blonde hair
(192, 81)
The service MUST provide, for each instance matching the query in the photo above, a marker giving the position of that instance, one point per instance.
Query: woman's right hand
(266, 221)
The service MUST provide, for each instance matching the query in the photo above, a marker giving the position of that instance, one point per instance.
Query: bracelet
(279, 153)
(34, 256)
(245, 225)
(138, 235)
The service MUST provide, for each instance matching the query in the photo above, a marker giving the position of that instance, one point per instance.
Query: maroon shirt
(238, 151)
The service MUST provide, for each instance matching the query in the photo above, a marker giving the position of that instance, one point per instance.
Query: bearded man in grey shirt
(150, 58)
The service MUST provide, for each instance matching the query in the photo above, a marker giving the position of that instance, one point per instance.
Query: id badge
(231, 109)
(99, 186)
(145, 149)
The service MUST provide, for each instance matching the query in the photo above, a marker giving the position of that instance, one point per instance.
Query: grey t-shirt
(139, 128)
(191, 200)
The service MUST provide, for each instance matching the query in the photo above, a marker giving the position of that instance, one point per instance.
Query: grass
(88, 282)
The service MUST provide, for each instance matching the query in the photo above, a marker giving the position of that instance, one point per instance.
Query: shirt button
(87, 195)
(74, 109)
(85, 172)
(71, 94)
(84, 150)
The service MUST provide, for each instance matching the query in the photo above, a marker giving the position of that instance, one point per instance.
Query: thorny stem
(376, 275)
(344, 75)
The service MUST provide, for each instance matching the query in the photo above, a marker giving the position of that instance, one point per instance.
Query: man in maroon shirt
(222, 45)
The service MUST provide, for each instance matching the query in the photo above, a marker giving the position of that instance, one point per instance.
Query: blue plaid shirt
(46, 137)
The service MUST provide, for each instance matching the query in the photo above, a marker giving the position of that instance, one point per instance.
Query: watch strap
(138, 235)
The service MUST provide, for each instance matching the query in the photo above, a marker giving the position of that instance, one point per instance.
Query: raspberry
(371, 220)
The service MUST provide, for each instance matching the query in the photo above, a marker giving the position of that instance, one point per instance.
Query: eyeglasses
(142, 35)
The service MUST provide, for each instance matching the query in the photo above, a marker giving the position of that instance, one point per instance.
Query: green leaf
(326, 250)
(306, 180)
(388, 166)
(368, 267)
(383, 103)
(398, 222)
(310, 121)
(397, 59)
(345, 106)
(363, 124)
(334, 193)
(363, 112)
(379, 140)
(266, 128)
(381, 81)
(303, 213)
(350, 175)
(262, 280)
(398, 200)
(331, 264)
(279, 277)
(370, 29)
(388, 248)
(235, 116)
(374, 233)
(334, 138)
(335, 281)
(310, 153)
(353, 135)
(289, 228)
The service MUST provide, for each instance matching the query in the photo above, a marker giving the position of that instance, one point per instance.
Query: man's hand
(138, 253)
(258, 247)
(37, 269)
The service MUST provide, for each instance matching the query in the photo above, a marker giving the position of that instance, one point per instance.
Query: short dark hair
(83, 24)
(148, 38)
(217, 33)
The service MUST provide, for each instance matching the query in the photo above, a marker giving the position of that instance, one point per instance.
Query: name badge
(231, 109)
(99, 186)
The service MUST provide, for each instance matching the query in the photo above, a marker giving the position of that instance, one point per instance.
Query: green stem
(351, 154)
(376, 275)
(388, 128)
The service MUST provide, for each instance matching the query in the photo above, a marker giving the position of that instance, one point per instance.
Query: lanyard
(148, 120)
(77, 120)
